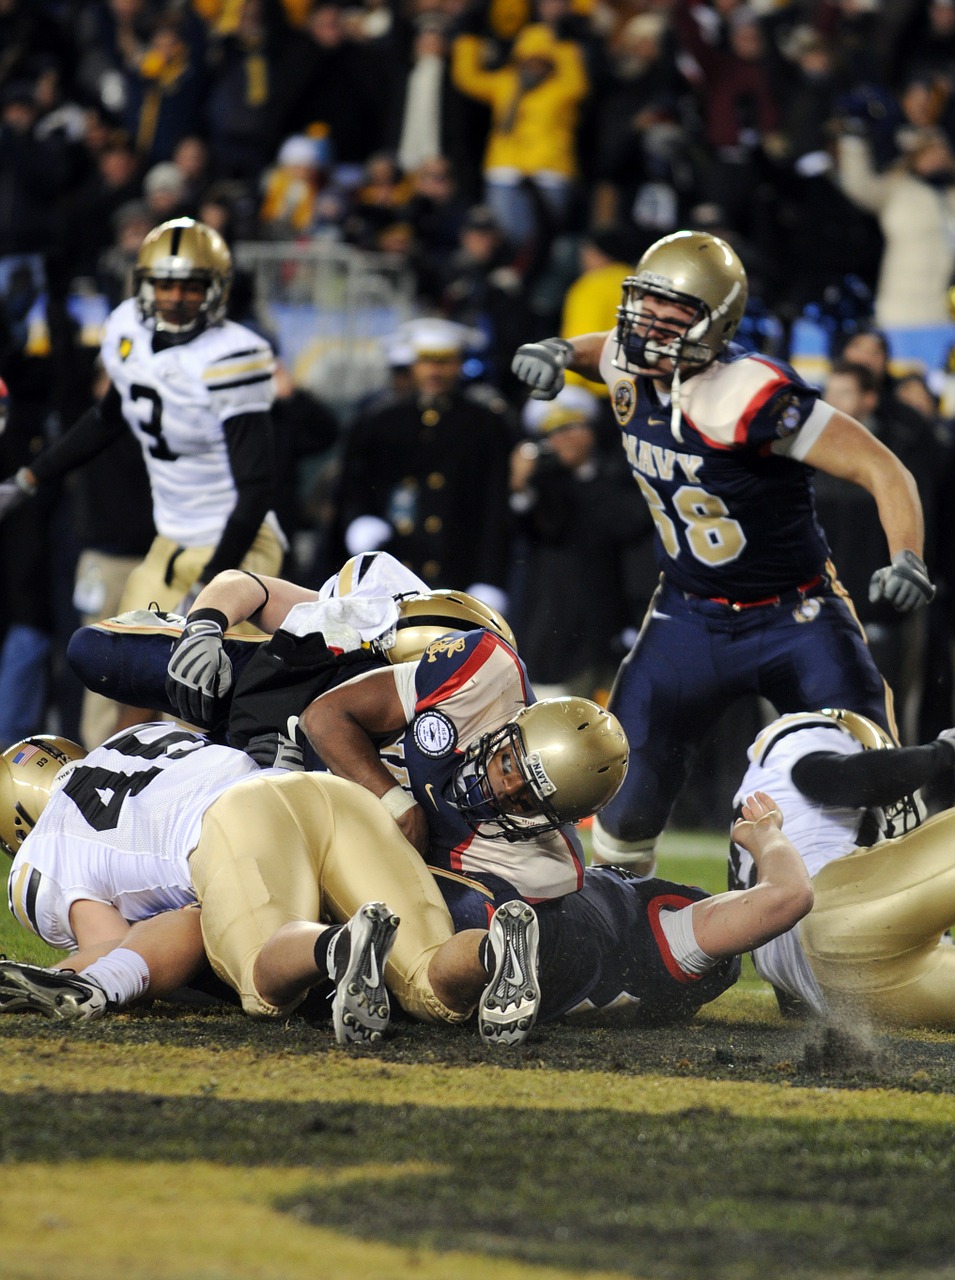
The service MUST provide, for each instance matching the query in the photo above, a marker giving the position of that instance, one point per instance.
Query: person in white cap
(579, 518)
(424, 475)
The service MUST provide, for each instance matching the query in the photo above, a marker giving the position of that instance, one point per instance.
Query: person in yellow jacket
(535, 100)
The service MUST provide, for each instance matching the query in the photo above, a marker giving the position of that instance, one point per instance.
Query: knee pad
(638, 856)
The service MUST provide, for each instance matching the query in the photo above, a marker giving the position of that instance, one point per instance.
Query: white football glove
(904, 583)
(541, 365)
(199, 672)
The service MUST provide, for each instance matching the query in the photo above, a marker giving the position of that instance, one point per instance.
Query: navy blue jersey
(603, 949)
(734, 519)
(467, 684)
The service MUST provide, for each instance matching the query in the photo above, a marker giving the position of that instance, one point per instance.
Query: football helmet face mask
(423, 618)
(571, 754)
(28, 770)
(699, 289)
(183, 250)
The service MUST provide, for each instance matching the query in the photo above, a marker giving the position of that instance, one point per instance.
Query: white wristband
(397, 801)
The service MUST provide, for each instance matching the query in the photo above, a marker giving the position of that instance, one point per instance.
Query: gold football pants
(308, 846)
(872, 937)
(169, 571)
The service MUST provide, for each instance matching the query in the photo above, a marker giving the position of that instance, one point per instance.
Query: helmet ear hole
(28, 771)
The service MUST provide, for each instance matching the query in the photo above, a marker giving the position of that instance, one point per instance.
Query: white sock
(123, 975)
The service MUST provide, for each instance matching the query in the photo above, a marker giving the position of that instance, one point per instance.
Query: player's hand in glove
(904, 583)
(276, 751)
(199, 672)
(14, 491)
(541, 365)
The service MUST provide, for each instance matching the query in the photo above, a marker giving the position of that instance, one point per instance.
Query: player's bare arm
(344, 727)
(739, 920)
(847, 450)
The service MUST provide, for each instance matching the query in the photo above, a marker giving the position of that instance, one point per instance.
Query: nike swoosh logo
(429, 788)
(664, 617)
(372, 977)
(513, 973)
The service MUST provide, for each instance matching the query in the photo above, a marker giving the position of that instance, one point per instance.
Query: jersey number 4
(99, 793)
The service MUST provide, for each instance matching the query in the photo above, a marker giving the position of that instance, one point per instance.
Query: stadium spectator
(530, 163)
(578, 517)
(425, 476)
(914, 201)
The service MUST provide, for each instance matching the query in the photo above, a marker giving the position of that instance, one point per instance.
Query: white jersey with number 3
(175, 402)
(121, 827)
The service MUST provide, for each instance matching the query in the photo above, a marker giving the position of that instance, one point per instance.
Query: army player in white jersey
(159, 819)
(196, 390)
(874, 943)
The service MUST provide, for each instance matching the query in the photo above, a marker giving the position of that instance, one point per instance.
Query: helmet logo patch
(434, 734)
(542, 782)
(624, 401)
(447, 645)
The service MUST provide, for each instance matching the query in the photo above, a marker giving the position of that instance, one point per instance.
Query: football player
(875, 943)
(159, 819)
(722, 444)
(156, 819)
(196, 390)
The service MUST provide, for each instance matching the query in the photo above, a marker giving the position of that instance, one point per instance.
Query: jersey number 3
(153, 424)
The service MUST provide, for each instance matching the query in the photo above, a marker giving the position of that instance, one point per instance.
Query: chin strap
(675, 414)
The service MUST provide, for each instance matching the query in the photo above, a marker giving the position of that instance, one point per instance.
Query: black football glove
(904, 583)
(199, 672)
(541, 365)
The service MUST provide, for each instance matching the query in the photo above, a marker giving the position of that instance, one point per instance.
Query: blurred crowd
(516, 157)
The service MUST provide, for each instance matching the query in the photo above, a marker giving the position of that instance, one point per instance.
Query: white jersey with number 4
(175, 402)
(120, 829)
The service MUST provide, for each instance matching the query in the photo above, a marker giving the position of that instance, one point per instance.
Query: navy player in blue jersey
(722, 444)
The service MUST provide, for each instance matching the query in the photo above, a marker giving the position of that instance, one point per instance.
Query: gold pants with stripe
(872, 937)
(169, 571)
(310, 846)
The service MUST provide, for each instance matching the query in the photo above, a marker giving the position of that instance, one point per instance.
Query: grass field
(194, 1144)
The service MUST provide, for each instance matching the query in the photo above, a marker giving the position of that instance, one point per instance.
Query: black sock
(325, 959)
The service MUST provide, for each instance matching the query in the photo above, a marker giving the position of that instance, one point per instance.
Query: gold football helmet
(27, 773)
(183, 249)
(572, 754)
(871, 735)
(421, 619)
(692, 269)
